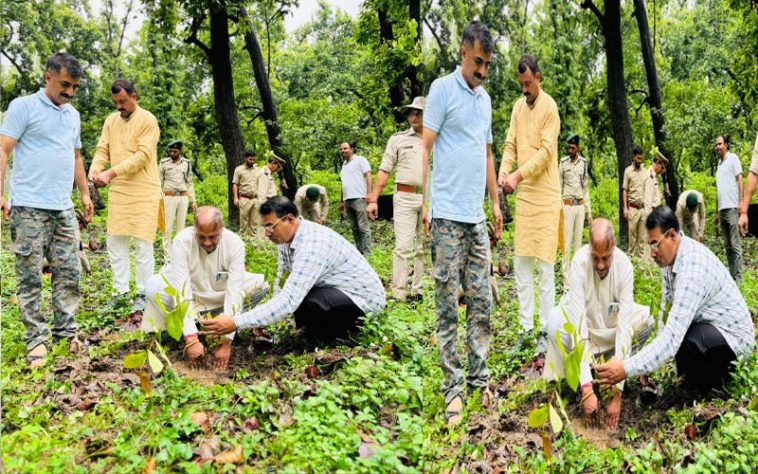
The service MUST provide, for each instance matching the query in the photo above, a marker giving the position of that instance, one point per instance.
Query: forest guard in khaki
(575, 192)
(634, 203)
(128, 144)
(403, 154)
(244, 192)
(175, 173)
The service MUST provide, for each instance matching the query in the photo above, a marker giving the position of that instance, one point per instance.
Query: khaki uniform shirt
(684, 215)
(134, 195)
(404, 153)
(532, 145)
(266, 186)
(303, 203)
(652, 190)
(176, 176)
(634, 180)
(574, 180)
(246, 180)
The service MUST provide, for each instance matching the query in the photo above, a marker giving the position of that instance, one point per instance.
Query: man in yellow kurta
(532, 147)
(128, 143)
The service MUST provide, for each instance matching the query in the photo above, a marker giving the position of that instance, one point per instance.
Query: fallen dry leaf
(690, 431)
(201, 419)
(86, 404)
(13, 300)
(311, 372)
(144, 382)
(251, 424)
(366, 450)
(230, 456)
(207, 450)
(365, 437)
(285, 417)
(149, 467)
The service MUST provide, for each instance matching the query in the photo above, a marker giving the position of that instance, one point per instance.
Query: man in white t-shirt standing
(356, 186)
(729, 193)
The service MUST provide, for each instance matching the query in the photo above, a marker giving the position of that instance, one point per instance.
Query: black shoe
(418, 298)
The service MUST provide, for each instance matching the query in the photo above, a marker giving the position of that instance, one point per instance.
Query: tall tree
(219, 58)
(623, 137)
(654, 101)
(269, 111)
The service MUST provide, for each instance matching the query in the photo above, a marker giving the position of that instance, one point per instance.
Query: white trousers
(118, 251)
(523, 269)
(253, 288)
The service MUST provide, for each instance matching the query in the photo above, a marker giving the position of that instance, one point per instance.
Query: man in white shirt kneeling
(208, 264)
(599, 304)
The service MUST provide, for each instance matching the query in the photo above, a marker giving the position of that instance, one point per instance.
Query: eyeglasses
(654, 245)
(271, 227)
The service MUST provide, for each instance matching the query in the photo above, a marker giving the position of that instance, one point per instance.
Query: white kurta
(603, 311)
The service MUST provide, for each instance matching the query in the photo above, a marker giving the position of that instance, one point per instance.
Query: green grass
(384, 395)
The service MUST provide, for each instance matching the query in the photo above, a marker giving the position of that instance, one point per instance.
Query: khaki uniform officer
(403, 153)
(176, 179)
(575, 192)
(312, 203)
(634, 204)
(690, 212)
(244, 192)
(653, 197)
(266, 186)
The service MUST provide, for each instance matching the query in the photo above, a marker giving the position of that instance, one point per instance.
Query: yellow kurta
(532, 147)
(130, 147)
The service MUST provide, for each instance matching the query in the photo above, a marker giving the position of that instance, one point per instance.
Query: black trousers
(704, 358)
(327, 314)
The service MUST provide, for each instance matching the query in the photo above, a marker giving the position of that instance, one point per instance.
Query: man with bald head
(598, 303)
(208, 261)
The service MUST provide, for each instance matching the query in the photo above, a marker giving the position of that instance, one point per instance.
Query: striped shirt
(700, 290)
(317, 257)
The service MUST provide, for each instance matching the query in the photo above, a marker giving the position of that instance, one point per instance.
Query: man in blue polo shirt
(458, 123)
(44, 130)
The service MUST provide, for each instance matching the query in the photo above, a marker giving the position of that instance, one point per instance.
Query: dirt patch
(204, 376)
(500, 435)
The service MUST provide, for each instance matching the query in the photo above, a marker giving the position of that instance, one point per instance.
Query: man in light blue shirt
(44, 130)
(458, 123)
(356, 187)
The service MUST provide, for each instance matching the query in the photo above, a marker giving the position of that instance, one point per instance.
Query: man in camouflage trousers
(44, 129)
(458, 124)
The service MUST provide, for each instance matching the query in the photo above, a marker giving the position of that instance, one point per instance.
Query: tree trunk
(269, 113)
(621, 125)
(396, 87)
(654, 101)
(411, 71)
(223, 96)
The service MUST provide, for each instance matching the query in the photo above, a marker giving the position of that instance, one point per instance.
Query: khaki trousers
(312, 213)
(175, 212)
(250, 218)
(573, 225)
(637, 233)
(409, 238)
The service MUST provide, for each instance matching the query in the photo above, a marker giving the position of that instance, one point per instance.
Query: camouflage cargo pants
(35, 233)
(461, 256)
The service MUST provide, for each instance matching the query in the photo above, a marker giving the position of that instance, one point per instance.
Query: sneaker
(139, 303)
(414, 299)
(453, 412)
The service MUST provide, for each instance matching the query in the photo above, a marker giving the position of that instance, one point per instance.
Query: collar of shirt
(301, 229)
(462, 82)
(681, 254)
(46, 100)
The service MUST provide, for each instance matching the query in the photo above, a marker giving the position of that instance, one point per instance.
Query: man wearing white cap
(403, 152)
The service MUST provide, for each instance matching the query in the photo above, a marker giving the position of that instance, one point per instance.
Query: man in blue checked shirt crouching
(330, 285)
(708, 325)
